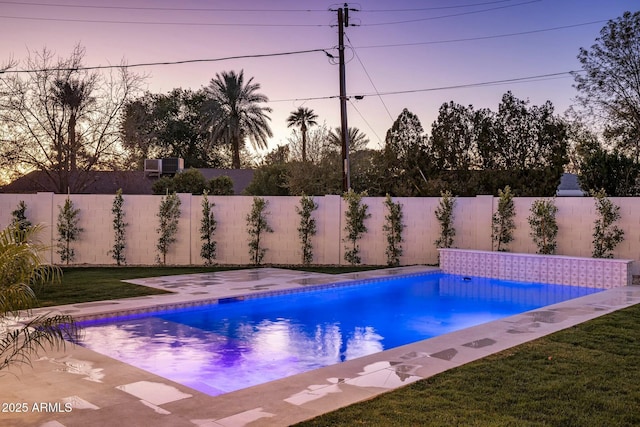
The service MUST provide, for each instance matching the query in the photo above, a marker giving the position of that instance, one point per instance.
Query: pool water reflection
(225, 347)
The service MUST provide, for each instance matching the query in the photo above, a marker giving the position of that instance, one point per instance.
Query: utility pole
(343, 21)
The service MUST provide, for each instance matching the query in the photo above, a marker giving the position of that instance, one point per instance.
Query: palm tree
(74, 98)
(233, 112)
(357, 140)
(302, 118)
(21, 267)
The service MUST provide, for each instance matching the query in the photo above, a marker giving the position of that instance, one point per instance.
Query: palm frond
(18, 345)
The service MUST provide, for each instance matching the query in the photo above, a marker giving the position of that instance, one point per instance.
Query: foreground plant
(393, 228)
(21, 268)
(606, 235)
(544, 228)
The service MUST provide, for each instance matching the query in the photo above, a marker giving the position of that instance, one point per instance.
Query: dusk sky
(399, 45)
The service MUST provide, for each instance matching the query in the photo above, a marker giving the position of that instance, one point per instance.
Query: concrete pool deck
(78, 387)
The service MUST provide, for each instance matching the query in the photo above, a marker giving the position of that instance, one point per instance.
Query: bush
(221, 186)
(164, 185)
(190, 181)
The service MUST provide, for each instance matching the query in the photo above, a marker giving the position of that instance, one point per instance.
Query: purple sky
(188, 34)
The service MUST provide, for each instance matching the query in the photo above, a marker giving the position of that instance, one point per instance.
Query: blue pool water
(220, 348)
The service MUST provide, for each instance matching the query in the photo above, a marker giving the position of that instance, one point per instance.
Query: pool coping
(288, 400)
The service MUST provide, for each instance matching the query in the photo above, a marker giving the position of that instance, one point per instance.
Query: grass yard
(588, 375)
(83, 284)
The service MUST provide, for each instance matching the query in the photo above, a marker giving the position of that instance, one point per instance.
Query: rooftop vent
(152, 167)
(159, 167)
(172, 166)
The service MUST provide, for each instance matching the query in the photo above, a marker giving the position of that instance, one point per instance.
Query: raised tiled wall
(556, 269)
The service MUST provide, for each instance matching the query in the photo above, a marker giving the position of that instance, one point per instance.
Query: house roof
(108, 182)
(569, 185)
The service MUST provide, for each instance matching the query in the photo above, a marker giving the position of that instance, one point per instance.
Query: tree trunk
(235, 147)
(303, 128)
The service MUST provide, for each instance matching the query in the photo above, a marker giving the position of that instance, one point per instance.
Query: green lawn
(82, 284)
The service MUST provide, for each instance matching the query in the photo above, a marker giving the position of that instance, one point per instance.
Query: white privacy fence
(472, 222)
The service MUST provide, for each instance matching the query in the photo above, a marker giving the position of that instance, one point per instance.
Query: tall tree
(405, 158)
(453, 137)
(168, 125)
(233, 112)
(609, 87)
(613, 172)
(318, 145)
(61, 119)
(526, 137)
(303, 118)
(406, 134)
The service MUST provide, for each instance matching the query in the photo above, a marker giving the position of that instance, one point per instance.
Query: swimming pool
(224, 347)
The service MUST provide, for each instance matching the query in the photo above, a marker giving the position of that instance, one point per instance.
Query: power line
(485, 37)
(206, 9)
(528, 79)
(487, 83)
(450, 15)
(366, 122)
(187, 61)
(177, 9)
(369, 77)
(420, 9)
(201, 24)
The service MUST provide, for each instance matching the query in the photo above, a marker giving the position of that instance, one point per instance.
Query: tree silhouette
(303, 118)
(233, 112)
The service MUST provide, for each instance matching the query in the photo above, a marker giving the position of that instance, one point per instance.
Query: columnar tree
(168, 215)
(355, 227)
(544, 228)
(68, 230)
(19, 217)
(119, 229)
(393, 228)
(257, 225)
(208, 226)
(307, 228)
(606, 234)
(502, 223)
(444, 215)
